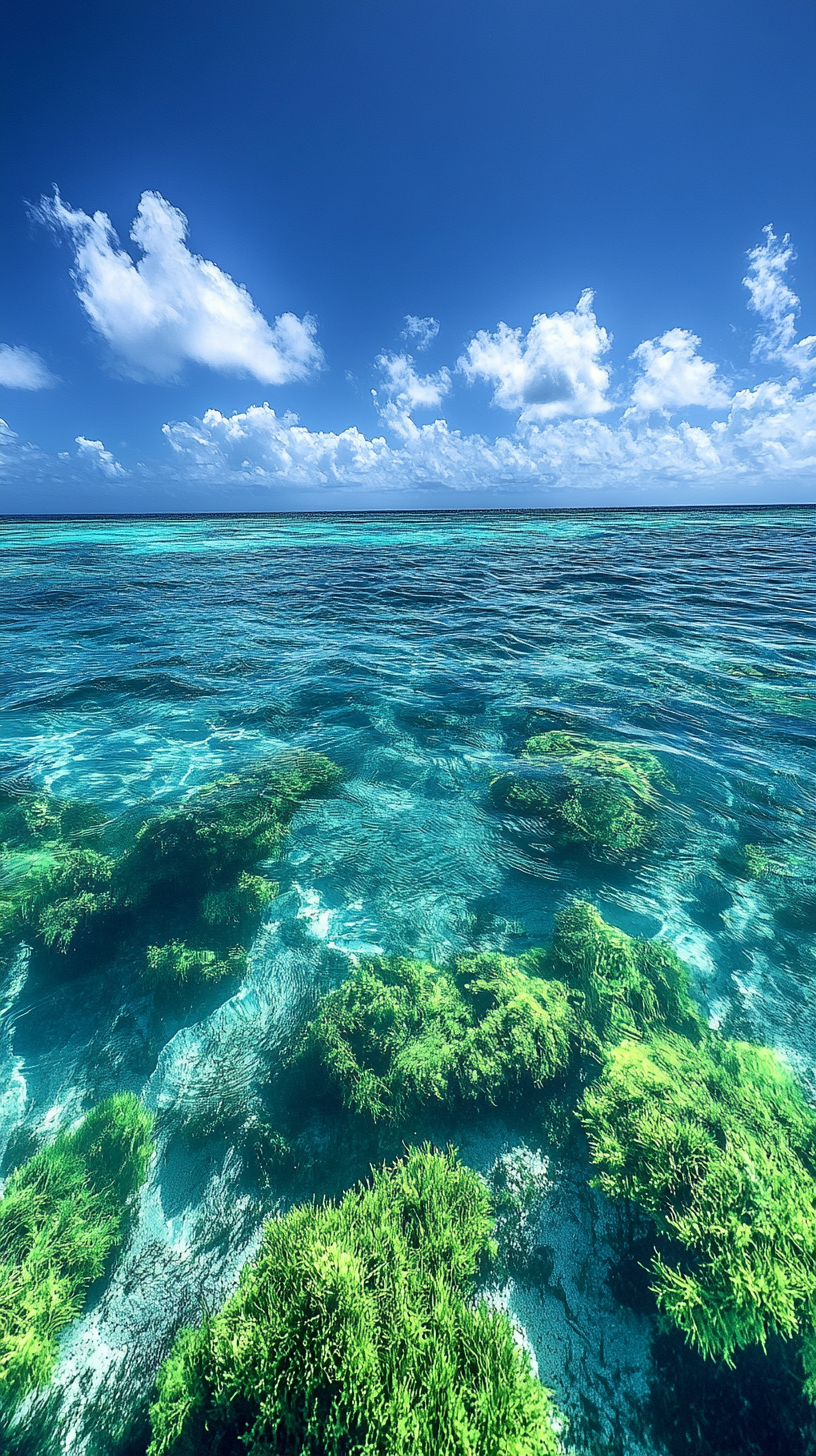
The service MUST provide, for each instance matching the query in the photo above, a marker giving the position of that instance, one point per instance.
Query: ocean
(148, 657)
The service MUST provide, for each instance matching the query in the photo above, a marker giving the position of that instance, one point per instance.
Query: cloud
(777, 304)
(673, 375)
(93, 453)
(422, 330)
(551, 372)
(408, 391)
(172, 306)
(769, 435)
(21, 368)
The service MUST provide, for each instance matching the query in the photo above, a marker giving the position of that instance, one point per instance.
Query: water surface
(143, 657)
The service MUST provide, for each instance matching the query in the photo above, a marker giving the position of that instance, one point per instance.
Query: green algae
(176, 964)
(62, 1213)
(621, 985)
(249, 896)
(355, 1331)
(602, 797)
(400, 1035)
(715, 1141)
(196, 862)
(29, 819)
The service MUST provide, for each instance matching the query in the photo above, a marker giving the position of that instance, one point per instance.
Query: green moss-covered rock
(247, 897)
(601, 796)
(716, 1143)
(227, 827)
(355, 1332)
(621, 985)
(62, 1213)
(196, 862)
(400, 1035)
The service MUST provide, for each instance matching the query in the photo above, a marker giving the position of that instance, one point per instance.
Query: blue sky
(525, 224)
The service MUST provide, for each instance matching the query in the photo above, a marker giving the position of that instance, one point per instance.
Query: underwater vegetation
(602, 797)
(717, 1144)
(72, 886)
(619, 984)
(710, 1137)
(352, 1308)
(176, 964)
(62, 1213)
(400, 1034)
(356, 1330)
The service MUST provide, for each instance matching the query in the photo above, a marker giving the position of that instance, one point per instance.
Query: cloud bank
(769, 433)
(173, 307)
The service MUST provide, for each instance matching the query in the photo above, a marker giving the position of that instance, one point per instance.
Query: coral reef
(355, 1331)
(62, 1213)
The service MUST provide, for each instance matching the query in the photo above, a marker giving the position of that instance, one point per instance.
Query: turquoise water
(419, 652)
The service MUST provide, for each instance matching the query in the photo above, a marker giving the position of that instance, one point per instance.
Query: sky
(405, 255)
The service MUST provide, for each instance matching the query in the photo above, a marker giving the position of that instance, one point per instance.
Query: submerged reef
(77, 885)
(356, 1328)
(62, 1213)
(355, 1331)
(601, 797)
(620, 985)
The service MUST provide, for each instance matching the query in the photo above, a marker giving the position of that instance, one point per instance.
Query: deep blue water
(420, 652)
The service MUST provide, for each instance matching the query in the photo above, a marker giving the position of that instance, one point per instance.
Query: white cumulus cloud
(173, 306)
(777, 304)
(769, 435)
(552, 371)
(93, 453)
(423, 331)
(406, 391)
(21, 368)
(673, 375)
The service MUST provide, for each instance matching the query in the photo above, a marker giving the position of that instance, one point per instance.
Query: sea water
(144, 657)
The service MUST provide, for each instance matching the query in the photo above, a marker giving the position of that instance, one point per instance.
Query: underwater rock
(354, 1331)
(600, 796)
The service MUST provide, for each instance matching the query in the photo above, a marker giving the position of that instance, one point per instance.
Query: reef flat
(489, 834)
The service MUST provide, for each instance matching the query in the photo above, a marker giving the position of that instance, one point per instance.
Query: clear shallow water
(419, 652)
